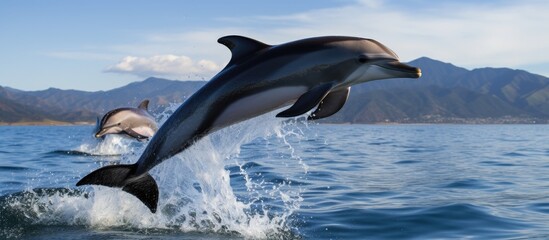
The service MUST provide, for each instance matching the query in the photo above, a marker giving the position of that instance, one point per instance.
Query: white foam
(111, 145)
(195, 190)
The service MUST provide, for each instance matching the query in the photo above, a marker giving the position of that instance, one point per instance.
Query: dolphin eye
(363, 59)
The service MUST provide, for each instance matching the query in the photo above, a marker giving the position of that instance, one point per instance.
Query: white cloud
(172, 66)
(506, 33)
(471, 34)
(466, 33)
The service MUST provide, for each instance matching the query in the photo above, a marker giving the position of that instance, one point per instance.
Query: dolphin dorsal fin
(144, 105)
(241, 47)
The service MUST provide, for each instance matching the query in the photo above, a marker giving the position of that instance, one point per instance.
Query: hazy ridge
(444, 94)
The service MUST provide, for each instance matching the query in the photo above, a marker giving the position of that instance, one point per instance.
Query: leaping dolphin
(259, 78)
(132, 122)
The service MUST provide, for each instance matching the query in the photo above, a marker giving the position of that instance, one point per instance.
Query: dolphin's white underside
(144, 131)
(257, 104)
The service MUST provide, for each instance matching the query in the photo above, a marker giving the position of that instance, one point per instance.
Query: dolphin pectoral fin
(307, 101)
(105, 130)
(241, 47)
(331, 104)
(144, 105)
(130, 132)
(143, 187)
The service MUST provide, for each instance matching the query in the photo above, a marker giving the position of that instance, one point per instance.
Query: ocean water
(273, 179)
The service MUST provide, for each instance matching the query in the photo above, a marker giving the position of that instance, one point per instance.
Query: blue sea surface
(266, 179)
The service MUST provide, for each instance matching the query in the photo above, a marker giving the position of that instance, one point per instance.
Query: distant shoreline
(56, 123)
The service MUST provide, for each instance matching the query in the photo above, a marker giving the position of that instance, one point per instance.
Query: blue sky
(100, 45)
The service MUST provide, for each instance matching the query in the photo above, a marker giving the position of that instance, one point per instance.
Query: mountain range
(444, 94)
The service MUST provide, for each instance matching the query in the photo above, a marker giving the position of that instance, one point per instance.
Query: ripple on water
(498, 164)
(466, 184)
(456, 220)
(321, 176)
(380, 143)
(407, 162)
(14, 169)
(362, 197)
(514, 154)
(540, 207)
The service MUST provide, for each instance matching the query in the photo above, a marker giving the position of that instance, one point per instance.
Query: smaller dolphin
(131, 122)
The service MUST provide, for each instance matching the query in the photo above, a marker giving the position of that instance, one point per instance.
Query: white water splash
(195, 191)
(111, 145)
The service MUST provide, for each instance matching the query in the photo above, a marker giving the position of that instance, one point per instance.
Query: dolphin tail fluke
(120, 176)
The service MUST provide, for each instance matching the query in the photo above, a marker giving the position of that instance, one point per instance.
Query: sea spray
(197, 194)
(111, 145)
(197, 186)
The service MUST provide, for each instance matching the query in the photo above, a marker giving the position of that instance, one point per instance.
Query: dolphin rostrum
(132, 122)
(259, 78)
